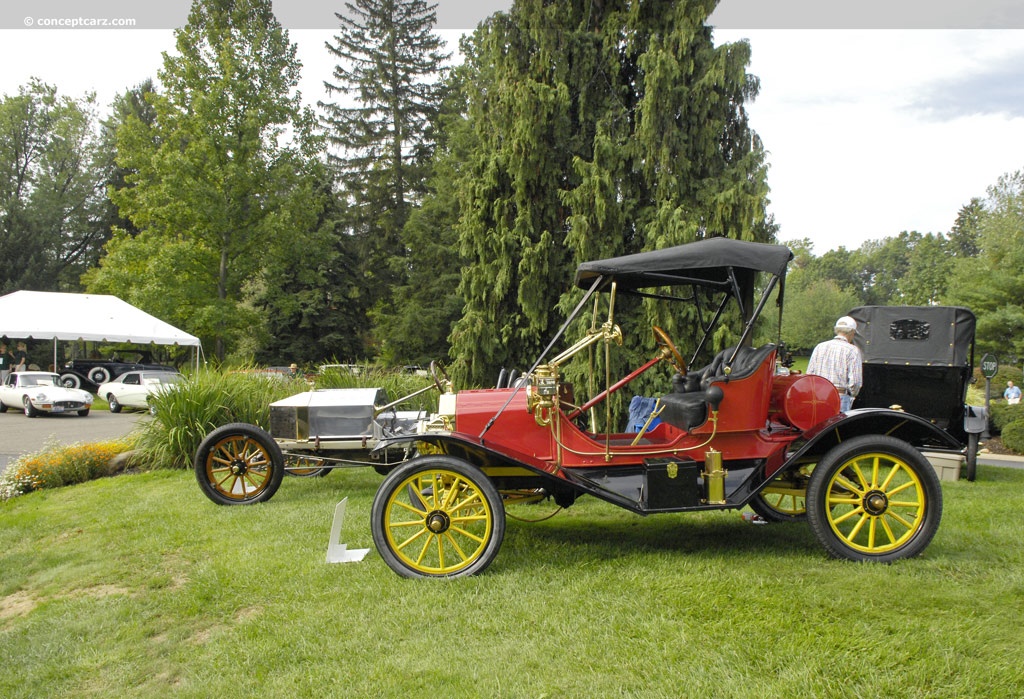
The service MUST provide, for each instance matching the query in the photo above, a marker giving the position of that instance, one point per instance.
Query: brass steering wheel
(664, 341)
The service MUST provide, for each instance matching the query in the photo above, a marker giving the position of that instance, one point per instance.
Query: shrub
(1003, 414)
(1013, 436)
(207, 400)
(58, 465)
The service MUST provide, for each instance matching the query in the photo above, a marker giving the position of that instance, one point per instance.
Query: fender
(912, 429)
(468, 449)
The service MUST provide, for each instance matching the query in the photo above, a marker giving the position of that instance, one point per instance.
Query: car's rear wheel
(30, 410)
(239, 464)
(115, 406)
(99, 375)
(783, 500)
(874, 498)
(437, 516)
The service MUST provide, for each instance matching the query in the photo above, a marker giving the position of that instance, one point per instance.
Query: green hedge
(1013, 436)
(1003, 414)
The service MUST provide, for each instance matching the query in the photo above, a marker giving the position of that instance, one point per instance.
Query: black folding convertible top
(706, 261)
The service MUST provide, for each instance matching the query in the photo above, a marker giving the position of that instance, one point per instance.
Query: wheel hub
(876, 503)
(238, 467)
(438, 522)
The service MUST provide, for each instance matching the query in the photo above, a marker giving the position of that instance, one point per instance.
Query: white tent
(97, 317)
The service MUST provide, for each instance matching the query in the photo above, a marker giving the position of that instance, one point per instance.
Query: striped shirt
(838, 361)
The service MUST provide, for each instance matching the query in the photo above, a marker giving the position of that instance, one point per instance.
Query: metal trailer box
(327, 414)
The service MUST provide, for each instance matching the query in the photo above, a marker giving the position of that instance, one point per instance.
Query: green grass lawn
(138, 586)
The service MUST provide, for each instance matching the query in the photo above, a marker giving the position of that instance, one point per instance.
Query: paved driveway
(21, 435)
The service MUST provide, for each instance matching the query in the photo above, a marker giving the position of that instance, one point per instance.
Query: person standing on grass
(839, 361)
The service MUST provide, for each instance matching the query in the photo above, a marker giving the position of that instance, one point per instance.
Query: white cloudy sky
(869, 132)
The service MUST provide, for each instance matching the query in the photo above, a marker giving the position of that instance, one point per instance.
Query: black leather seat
(687, 406)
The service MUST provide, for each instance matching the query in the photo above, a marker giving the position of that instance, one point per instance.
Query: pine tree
(603, 129)
(388, 81)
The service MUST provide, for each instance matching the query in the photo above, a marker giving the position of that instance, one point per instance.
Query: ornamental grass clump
(205, 401)
(58, 465)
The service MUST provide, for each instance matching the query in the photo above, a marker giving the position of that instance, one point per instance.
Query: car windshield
(40, 380)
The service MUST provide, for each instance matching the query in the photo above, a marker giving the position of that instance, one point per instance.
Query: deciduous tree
(50, 194)
(224, 173)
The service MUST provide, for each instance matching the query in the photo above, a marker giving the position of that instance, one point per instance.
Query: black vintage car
(88, 374)
(921, 359)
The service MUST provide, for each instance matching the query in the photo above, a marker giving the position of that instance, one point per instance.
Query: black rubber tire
(845, 509)
(70, 380)
(115, 407)
(99, 374)
(30, 410)
(460, 509)
(3, 407)
(239, 464)
(972, 456)
(84, 412)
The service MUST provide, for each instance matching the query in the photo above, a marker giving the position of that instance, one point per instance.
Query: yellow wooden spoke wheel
(437, 516)
(239, 464)
(874, 498)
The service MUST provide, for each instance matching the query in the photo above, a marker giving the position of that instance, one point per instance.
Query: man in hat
(839, 361)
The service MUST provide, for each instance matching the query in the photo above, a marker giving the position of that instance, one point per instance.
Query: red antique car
(737, 431)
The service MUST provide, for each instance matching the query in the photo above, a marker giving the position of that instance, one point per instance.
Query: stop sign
(989, 366)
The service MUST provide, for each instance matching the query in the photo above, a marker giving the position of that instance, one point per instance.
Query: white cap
(846, 324)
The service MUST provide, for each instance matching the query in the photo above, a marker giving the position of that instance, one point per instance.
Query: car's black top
(706, 261)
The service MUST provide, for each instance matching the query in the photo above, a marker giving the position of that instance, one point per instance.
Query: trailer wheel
(972, 456)
(437, 516)
(239, 464)
(874, 498)
(304, 467)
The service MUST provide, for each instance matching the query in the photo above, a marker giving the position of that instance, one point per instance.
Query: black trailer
(921, 359)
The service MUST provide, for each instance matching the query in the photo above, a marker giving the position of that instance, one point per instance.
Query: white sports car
(132, 389)
(41, 392)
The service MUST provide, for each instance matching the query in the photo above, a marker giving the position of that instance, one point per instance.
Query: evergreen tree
(964, 236)
(991, 284)
(603, 129)
(388, 81)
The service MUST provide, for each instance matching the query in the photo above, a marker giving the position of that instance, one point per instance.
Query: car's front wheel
(70, 381)
(30, 410)
(115, 406)
(437, 517)
(874, 498)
